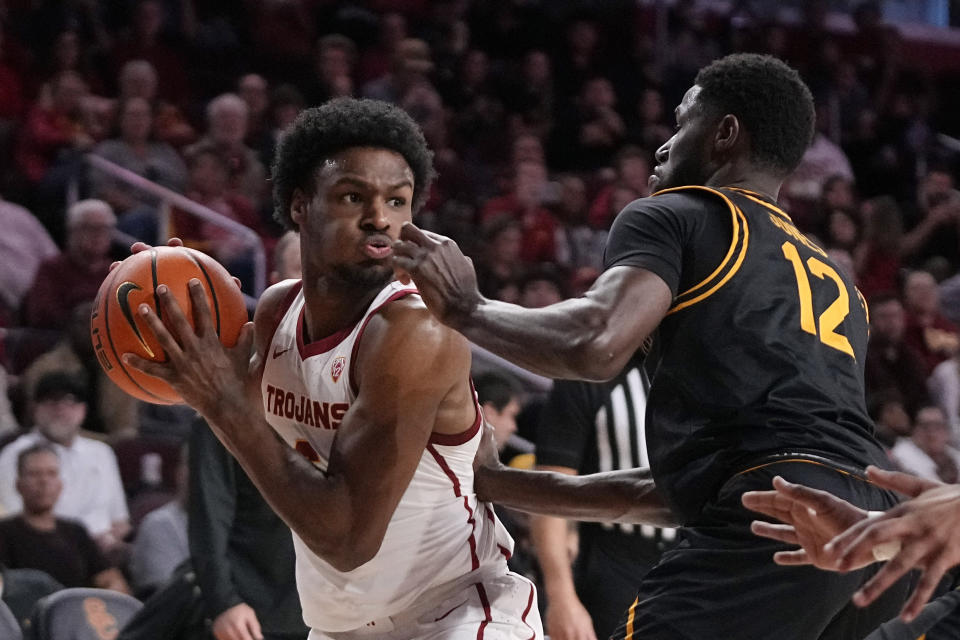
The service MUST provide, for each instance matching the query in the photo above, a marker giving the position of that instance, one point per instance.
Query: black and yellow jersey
(762, 351)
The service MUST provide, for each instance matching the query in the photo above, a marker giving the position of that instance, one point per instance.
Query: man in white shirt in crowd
(92, 490)
(927, 452)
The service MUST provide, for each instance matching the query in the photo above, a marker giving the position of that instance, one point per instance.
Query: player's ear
(727, 133)
(298, 206)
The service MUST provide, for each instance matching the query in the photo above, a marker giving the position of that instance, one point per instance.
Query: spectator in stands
(242, 552)
(650, 129)
(334, 63)
(375, 60)
(254, 90)
(500, 398)
(161, 542)
(578, 244)
(8, 422)
(92, 490)
(890, 418)
(943, 385)
(589, 134)
(927, 452)
(892, 365)
(411, 64)
(531, 98)
(53, 127)
(38, 539)
(286, 258)
(111, 411)
(878, 255)
(525, 203)
(145, 41)
(227, 124)
(24, 245)
(932, 230)
(541, 286)
(66, 280)
(499, 268)
(928, 332)
(632, 167)
(823, 160)
(286, 102)
(138, 79)
(135, 149)
(209, 185)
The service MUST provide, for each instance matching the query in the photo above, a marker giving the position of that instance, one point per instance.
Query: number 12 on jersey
(825, 326)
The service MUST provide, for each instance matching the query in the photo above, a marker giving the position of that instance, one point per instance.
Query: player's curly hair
(769, 99)
(320, 132)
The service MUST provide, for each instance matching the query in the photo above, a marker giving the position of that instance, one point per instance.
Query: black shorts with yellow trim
(720, 580)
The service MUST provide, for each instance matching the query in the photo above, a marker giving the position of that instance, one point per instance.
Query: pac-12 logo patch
(337, 369)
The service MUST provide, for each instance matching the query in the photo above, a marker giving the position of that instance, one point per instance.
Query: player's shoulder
(406, 327)
(677, 202)
(275, 297)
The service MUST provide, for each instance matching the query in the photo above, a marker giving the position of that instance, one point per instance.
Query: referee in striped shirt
(585, 428)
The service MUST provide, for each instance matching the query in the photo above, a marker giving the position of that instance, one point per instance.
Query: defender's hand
(926, 527)
(445, 277)
(811, 519)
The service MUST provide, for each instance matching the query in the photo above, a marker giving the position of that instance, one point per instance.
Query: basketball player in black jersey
(760, 372)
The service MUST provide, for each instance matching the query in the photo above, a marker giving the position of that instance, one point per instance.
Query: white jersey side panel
(439, 532)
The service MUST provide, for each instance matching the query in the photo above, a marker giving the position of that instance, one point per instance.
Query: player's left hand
(445, 277)
(811, 518)
(207, 375)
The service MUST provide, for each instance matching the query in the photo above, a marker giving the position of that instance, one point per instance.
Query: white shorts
(499, 608)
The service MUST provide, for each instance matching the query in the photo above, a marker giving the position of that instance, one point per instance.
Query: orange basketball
(116, 327)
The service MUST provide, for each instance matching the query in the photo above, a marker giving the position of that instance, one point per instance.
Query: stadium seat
(82, 614)
(9, 627)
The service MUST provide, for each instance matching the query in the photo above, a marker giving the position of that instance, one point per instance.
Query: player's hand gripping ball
(117, 328)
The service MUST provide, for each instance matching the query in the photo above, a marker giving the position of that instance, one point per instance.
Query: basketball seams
(210, 288)
(106, 329)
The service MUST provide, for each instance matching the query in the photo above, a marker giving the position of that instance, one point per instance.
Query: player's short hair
(345, 123)
(496, 389)
(769, 99)
(40, 447)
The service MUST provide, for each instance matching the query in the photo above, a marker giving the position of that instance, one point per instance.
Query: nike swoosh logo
(123, 291)
(277, 352)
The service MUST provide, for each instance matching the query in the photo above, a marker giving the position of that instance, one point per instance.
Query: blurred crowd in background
(543, 117)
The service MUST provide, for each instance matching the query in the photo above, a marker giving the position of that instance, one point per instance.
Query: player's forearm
(629, 496)
(563, 340)
(289, 483)
(550, 536)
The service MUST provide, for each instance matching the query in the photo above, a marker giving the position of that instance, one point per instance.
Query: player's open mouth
(378, 247)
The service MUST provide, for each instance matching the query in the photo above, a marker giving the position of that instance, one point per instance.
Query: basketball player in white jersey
(377, 420)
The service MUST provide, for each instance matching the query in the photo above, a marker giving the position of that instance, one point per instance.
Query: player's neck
(746, 177)
(330, 307)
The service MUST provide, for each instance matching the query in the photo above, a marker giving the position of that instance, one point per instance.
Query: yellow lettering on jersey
(787, 227)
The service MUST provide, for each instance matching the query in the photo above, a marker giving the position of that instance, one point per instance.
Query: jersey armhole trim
(281, 311)
(457, 439)
(731, 262)
(356, 343)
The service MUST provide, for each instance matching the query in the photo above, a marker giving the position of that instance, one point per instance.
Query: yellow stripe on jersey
(731, 262)
(628, 635)
(755, 197)
(733, 243)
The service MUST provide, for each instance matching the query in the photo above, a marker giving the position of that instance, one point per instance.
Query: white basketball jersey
(439, 532)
